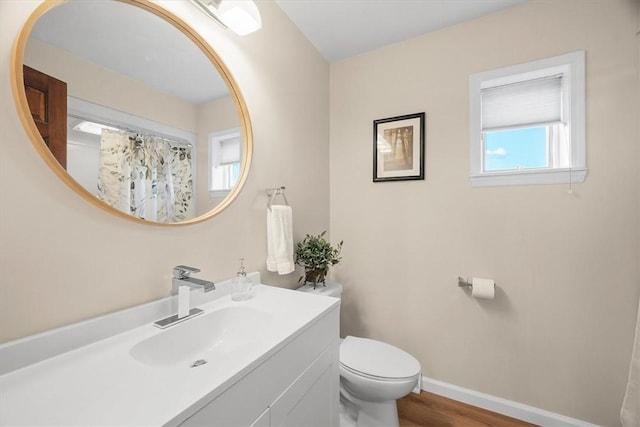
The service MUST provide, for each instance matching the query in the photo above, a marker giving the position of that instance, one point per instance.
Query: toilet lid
(377, 359)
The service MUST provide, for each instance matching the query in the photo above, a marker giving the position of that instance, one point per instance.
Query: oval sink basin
(223, 333)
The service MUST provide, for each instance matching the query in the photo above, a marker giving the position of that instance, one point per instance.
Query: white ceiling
(343, 28)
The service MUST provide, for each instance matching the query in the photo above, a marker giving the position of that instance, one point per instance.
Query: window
(527, 123)
(224, 161)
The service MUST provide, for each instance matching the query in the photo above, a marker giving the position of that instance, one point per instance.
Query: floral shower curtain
(146, 176)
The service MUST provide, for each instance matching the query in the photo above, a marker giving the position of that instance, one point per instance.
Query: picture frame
(398, 148)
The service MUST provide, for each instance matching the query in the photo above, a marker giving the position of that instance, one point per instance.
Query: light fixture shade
(242, 16)
(92, 127)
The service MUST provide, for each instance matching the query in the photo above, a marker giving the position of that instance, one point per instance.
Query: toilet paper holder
(484, 288)
(463, 281)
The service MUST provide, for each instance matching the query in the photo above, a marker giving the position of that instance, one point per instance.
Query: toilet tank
(330, 289)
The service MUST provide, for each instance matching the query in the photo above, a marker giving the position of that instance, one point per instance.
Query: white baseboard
(418, 386)
(501, 406)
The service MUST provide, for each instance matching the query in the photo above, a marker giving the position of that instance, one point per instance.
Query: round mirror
(132, 109)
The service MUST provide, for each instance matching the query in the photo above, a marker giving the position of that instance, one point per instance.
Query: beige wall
(63, 260)
(558, 334)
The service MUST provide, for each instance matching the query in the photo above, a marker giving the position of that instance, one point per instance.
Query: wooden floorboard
(431, 410)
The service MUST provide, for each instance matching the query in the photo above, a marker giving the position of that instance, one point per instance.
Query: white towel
(280, 239)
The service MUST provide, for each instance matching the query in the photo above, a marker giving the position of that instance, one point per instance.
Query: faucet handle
(183, 271)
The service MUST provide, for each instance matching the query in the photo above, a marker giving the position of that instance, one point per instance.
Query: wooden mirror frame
(20, 97)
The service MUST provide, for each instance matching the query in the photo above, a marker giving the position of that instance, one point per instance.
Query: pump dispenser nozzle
(241, 271)
(241, 285)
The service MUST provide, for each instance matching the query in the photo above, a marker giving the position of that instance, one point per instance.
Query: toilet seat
(345, 369)
(376, 360)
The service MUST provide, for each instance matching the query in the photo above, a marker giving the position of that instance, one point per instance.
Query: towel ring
(273, 193)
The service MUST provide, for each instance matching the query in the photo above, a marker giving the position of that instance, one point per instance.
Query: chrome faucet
(182, 277)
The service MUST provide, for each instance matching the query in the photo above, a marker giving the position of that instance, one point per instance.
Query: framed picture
(398, 148)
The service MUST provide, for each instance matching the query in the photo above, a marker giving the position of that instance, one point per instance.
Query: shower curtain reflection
(146, 176)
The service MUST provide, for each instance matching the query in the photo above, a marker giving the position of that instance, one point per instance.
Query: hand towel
(280, 239)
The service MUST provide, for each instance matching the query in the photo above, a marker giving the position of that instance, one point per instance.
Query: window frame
(572, 68)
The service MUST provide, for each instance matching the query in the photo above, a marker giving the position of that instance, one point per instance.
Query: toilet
(373, 375)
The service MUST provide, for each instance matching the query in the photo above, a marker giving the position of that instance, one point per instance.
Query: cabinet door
(312, 400)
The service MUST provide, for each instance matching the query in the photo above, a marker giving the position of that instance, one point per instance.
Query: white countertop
(102, 384)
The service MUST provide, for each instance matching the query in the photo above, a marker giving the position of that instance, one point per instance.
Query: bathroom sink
(143, 376)
(212, 337)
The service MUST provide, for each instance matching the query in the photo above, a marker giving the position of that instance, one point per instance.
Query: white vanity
(268, 361)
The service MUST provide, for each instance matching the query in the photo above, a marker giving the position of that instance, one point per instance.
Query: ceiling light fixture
(92, 127)
(241, 16)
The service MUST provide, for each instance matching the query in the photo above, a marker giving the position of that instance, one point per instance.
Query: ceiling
(343, 28)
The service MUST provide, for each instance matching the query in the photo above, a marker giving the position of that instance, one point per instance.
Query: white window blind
(526, 103)
(229, 151)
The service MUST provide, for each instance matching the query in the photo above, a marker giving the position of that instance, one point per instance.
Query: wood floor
(431, 410)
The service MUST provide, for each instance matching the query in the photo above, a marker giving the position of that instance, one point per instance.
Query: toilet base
(378, 414)
(356, 412)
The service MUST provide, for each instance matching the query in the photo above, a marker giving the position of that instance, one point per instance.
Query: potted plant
(316, 255)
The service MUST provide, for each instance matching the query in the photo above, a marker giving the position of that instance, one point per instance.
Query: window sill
(218, 193)
(529, 177)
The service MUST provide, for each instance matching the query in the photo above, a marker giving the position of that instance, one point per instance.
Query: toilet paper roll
(483, 288)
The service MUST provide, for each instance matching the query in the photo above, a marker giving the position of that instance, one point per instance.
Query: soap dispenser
(240, 285)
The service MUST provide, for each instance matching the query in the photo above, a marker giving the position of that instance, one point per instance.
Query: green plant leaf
(316, 253)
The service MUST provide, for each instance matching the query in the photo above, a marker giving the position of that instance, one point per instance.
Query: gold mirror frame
(20, 97)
